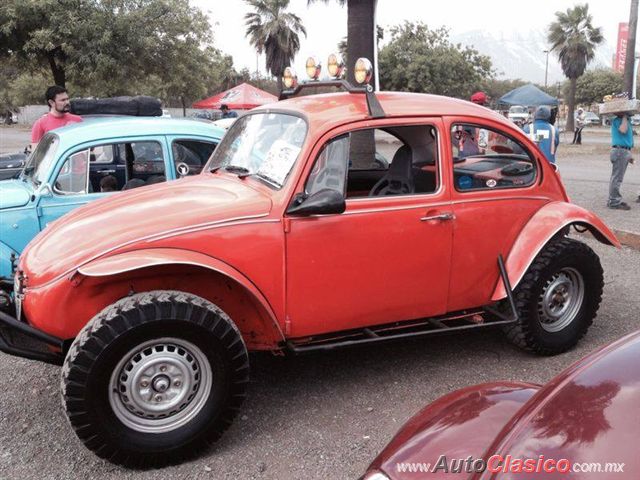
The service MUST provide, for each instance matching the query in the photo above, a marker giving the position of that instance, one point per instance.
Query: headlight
(335, 65)
(289, 78)
(313, 68)
(363, 70)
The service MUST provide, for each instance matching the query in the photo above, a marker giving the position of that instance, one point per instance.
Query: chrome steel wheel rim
(160, 385)
(561, 299)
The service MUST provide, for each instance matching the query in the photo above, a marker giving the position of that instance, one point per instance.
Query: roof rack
(373, 105)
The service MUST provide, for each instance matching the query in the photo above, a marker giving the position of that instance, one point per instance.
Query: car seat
(399, 178)
(133, 183)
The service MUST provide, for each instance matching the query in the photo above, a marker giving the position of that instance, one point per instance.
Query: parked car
(11, 164)
(591, 118)
(578, 426)
(518, 113)
(298, 237)
(66, 169)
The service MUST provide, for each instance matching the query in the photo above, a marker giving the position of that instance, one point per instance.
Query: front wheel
(154, 378)
(558, 298)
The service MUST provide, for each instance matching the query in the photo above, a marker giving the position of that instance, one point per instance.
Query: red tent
(242, 97)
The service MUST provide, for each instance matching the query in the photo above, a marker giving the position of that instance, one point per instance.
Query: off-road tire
(103, 344)
(560, 253)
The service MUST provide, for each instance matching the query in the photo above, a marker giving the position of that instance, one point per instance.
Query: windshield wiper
(238, 170)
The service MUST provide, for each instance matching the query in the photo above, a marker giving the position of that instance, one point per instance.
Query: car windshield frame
(268, 149)
(39, 162)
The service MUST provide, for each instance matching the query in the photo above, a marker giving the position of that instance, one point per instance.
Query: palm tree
(631, 49)
(361, 31)
(274, 31)
(573, 37)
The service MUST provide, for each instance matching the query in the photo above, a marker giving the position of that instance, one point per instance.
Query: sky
(326, 24)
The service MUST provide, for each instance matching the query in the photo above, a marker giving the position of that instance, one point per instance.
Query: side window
(190, 156)
(330, 168)
(144, 164)
(101, 154)
(488, 159)
(379, 162)
(73, 176)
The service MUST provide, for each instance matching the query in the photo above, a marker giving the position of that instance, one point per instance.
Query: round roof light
(289, 78)
(313, 68)
(363, 71)
(335, 65)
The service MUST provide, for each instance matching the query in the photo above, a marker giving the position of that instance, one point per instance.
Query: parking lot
(327, 415)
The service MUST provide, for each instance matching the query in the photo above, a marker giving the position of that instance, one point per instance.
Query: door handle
(106, 171)
(441, 217)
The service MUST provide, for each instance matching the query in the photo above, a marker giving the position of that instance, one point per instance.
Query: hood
(589, 413)
(458, 425)
(108, 224)
(14, 193)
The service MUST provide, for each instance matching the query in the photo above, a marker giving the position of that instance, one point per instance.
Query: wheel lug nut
(158, 398)
(163, 368)
(144, 384)
(177, 383)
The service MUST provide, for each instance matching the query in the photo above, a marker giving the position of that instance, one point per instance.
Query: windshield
(517, 110)
(262, 144)
(40, 160)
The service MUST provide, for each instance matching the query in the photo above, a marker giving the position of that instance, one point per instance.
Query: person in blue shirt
(621, 145)
(543, 133)
(226, 113)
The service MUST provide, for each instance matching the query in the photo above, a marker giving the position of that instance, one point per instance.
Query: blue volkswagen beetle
(90, 160)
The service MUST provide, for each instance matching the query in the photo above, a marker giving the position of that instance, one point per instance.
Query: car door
(387, 257)
(70, 188)
(495, 192)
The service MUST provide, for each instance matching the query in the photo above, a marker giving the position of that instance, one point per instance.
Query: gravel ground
(319, 416)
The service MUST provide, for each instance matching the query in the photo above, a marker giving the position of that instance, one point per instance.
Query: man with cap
(543, 133)
(481, 98)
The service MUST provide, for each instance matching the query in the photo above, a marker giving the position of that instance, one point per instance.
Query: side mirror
(323, 202)
(45, 190)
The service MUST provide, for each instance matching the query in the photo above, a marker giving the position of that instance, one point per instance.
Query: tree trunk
(58, 72)
(571, 104)
(631, 49)
(361, 33)
(184, 107)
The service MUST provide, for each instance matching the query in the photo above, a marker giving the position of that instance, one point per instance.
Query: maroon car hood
(108, 224)
(588, 414)
(458, 425)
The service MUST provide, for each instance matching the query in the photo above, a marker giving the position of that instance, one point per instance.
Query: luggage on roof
(139, 106)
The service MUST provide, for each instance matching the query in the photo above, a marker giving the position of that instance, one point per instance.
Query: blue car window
(189, 156)
(73, 176)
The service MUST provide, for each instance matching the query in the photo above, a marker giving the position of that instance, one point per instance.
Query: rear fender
(542, 227)
(246, 305)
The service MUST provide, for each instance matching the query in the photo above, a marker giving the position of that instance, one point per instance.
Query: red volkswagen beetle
(583, 424)
(321, 221)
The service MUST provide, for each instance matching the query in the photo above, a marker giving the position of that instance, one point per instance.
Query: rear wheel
(155, 378)
(558, 298)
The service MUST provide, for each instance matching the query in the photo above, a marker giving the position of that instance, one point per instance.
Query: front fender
(6, 267)
(157, 257)
(541, 228)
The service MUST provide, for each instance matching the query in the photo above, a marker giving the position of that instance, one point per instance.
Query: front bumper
(22, 340)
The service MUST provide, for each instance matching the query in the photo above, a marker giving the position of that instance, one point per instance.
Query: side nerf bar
(33, 343)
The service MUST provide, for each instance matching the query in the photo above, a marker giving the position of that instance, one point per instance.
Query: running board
(464, 320)
(399, 330)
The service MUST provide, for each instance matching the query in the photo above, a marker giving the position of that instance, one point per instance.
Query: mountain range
(521, 55)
